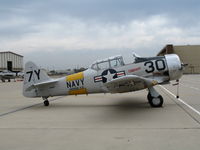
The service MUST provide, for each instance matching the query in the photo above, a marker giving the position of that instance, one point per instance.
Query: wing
(162, 79)
(42, 84)
(129, 83)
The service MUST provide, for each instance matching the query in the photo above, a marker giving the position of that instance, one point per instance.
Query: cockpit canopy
(111, 62)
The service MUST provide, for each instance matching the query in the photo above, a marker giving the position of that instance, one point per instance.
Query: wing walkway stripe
(26, 107)
(180, 100)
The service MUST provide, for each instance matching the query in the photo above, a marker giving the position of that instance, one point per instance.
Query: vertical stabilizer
(33, 75)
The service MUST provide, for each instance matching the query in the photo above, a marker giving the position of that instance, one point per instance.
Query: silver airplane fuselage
(106, 76)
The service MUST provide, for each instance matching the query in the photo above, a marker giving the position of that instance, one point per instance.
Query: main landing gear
(154, 98)
(46, 102)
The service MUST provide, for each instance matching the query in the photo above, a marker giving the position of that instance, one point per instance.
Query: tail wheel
(46, 103)
(155, 101)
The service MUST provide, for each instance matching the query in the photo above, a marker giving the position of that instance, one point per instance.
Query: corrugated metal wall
(17, 61)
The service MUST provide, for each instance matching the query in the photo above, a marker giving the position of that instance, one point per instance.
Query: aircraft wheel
(149, 97)
(8, 80)
(155, 101)
(46, 103)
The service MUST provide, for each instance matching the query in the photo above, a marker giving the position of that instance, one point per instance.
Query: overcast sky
(60, 34)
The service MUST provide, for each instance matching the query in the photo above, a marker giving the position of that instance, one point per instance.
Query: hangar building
(11, 61)
(189, 54)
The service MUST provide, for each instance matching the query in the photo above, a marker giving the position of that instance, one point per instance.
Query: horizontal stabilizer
(35, 78)
(45, 83)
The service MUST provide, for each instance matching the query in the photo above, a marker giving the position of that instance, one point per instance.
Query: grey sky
(66, 33)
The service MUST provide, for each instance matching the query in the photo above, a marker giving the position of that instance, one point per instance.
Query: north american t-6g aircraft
(109, 75)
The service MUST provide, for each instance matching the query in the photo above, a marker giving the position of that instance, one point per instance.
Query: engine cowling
(174, 66)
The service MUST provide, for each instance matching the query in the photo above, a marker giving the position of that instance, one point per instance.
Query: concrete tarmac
(110, 121)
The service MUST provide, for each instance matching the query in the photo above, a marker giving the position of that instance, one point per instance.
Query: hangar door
(9, 65)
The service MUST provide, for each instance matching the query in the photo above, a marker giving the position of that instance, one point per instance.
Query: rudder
(33, 75)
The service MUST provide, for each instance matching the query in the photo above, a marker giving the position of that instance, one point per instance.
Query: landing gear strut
(155, 100)
(46, 102)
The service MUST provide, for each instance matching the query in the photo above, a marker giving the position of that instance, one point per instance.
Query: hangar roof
(168, 49)
(11, 53)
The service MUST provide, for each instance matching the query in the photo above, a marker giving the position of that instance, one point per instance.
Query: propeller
(183, 66)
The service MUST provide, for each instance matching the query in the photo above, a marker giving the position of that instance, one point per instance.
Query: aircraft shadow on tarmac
(123, 104)
(123, 109)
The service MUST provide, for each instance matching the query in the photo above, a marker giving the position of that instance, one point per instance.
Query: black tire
(156, 101)
(46, 103)
(149, 97)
